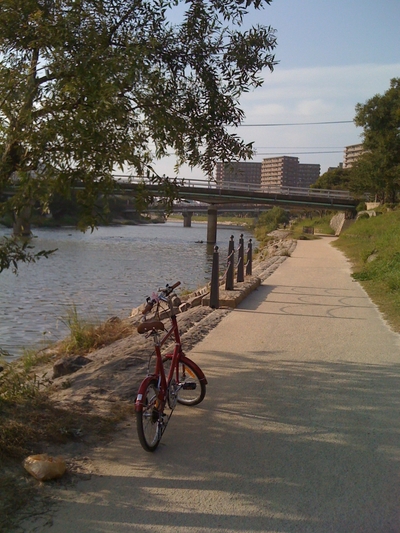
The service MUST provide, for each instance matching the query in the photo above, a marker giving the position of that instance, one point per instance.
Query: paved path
(299, 431)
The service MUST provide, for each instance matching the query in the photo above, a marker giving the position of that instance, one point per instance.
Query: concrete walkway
(299, 431)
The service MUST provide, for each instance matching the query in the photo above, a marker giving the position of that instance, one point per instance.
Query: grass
(28, 423)
(373, 247)
(86, 336)
(320, 225)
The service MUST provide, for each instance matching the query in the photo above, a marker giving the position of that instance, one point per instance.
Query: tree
(335, 178)
(91, 86)
(270, 221)
(378, 169)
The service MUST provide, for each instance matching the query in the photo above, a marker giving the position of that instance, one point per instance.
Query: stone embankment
(113, 373)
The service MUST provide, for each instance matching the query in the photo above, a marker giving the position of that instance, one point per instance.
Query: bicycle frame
(176, 357)
(159, 393)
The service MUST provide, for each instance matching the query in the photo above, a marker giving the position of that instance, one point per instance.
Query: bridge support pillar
(212, 225)
(22, 225)
(187, 219)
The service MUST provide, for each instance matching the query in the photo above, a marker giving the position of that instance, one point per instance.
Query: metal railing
(243, 186)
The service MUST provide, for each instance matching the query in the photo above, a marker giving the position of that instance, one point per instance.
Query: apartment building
(286, 171)
(244, 172)
(279, 171)
(351, 154)
(308, 174)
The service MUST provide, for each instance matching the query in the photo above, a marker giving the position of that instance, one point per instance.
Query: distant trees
(269, 221)
(90, 87)
(335, 178)
(378, 169)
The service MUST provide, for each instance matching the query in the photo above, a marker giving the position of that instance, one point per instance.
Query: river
(102, 274)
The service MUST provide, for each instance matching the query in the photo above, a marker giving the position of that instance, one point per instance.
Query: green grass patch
(373, 247)
(320, 225)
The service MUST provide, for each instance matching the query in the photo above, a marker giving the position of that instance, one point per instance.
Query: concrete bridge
(243, 194)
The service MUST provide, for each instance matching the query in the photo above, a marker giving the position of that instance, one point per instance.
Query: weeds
(29, 420)
(15, 385)
(85, 336)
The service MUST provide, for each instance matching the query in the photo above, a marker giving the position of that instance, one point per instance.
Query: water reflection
(102, 274)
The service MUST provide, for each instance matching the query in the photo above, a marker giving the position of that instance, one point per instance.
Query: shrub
(270, 221)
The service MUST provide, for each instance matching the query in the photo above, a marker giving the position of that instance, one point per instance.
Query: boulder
(69, 365)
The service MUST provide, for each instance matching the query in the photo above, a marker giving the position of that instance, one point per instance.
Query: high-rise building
(286, 171)
(308, 174)
(351, 154)
(238, 173)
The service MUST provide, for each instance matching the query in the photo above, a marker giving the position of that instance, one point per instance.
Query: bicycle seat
(155, 325)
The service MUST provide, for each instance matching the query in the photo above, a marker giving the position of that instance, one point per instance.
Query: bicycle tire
(148, 425)
(188, 377)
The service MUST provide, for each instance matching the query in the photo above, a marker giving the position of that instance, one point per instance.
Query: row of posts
(241, 269)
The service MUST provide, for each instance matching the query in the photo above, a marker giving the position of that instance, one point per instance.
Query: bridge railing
(250, 187)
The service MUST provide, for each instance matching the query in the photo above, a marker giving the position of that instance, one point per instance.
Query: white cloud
(343, 86)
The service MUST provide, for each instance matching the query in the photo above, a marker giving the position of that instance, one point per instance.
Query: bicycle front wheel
(149, 418)
(191, 388)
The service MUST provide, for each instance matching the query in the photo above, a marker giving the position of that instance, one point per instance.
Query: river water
(102, 274)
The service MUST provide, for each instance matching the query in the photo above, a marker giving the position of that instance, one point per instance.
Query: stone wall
(337, 222)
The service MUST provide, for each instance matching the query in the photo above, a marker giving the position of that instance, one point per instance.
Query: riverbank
(101, 274)
(66, 414)
(113, 373)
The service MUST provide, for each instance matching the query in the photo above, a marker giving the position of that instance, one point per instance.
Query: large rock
(69, 365)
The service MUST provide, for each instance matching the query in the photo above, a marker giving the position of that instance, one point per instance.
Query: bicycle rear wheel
(191, 388)
(149, 424)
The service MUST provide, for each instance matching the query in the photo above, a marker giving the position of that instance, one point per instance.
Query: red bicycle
(175, 379)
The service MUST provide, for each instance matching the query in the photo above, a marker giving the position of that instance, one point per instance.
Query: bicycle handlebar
(165, 292)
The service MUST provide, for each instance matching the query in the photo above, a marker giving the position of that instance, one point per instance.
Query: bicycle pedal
(189, 386)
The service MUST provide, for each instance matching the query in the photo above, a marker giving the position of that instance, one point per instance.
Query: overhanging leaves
(90, 87)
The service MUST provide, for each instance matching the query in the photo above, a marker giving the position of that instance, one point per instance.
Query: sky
(332, 55)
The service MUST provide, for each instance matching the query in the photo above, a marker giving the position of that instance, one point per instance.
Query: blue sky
(332, 55)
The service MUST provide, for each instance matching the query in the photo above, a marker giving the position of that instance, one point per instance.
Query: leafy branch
(14, 251)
